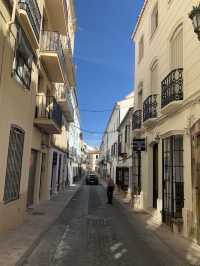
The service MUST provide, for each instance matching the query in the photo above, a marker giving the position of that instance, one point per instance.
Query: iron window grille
(137, 119)
(33, 11)
(22, 65)
(172, 87)
(14, 165)
(173, 181)
(150, 107)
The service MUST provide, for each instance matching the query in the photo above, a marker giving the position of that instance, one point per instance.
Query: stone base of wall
(12, 214)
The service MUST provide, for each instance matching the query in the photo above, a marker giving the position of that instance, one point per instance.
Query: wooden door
(31, 183)
(195, 140)
(155, 175)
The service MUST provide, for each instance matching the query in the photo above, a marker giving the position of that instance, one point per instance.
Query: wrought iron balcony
(33, 11)
(51, 49)
(64, 101)
(172, 87)
(48, 114)
(59, 20)
(68, 59)
(137, 120)
(150, 107)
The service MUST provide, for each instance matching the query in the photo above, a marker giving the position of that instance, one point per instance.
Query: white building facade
(124, 170)
(74, 162)
(109, 145)
(166, 115)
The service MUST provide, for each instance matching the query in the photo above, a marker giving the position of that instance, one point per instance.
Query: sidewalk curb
(30, 249)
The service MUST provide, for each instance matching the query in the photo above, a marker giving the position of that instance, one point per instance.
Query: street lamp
(195, 17)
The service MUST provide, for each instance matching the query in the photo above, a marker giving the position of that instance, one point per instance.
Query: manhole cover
(38, 213)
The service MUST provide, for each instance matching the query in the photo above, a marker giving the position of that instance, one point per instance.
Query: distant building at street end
(109, 145)
(92, 162)
(124, 169)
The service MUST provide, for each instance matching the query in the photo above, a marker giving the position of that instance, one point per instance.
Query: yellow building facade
(36, 75)
(167, 114)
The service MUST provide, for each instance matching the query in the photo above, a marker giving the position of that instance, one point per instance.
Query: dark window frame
(173, 178)
(14, 164)
(23, 59)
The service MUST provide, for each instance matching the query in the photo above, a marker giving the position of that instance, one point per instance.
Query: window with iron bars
(22, 65)
(173, 181)
(14, 164)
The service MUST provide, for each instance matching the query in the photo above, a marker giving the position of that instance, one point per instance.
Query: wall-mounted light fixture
(195, 17)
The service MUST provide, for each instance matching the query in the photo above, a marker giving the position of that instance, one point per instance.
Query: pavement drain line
(98, 221)
(23, 260)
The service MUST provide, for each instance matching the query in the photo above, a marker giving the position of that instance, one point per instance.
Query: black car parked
(92, 179)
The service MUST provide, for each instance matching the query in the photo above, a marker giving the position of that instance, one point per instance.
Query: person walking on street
(110, 189)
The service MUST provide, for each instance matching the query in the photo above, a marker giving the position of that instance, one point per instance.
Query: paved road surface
(93, 233)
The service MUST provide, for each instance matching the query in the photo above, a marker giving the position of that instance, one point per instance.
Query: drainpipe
(9, 24)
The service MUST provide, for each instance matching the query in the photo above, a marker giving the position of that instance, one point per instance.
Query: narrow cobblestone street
(90, 232)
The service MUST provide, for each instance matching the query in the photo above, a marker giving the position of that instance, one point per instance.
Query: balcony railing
(65, 9)
(48, 108)
(63, 97)
(51, 42)
(65, 40)
(150, 107)
(172, 87)
(33, 11)
(137, 120)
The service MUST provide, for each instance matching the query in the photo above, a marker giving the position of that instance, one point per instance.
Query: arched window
(154, 78)
(176, 49)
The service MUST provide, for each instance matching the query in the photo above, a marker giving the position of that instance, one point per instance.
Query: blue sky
(104, 56)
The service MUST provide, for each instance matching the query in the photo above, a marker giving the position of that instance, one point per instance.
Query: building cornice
(125, 117)
(139, 19)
